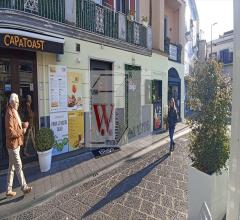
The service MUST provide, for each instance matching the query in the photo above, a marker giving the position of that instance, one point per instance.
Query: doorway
(174, 89)
(157, 105)
(102, 106)
(17, 74)
(133, 100)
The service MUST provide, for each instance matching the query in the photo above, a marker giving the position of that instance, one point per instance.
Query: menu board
(75, 100)
(75, 129)
(157, 115)
(57, 88)
(59, 126)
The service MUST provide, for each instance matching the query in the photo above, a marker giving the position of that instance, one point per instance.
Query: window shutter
(230, 57)
(222, 56)
(132, 7)
(109, 3)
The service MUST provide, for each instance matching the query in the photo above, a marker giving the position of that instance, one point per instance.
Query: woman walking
(172, 120)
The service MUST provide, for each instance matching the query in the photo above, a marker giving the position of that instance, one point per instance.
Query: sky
(211, 11)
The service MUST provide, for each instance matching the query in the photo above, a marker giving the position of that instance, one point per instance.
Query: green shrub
(210, 98)
(44, 139)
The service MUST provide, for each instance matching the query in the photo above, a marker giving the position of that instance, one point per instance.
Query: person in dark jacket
(30, 133)
(172, 120)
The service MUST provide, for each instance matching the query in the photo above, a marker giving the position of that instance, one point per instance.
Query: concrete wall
(144, 8)
(233, 209)
(173, 24)
(158, 24)
(175, 12)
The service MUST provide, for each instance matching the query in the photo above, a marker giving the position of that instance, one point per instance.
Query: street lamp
(211, 36)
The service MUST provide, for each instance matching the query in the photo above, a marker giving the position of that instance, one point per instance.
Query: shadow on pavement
(125, 186)
(33, 173)
(59, 165)
(17, 199)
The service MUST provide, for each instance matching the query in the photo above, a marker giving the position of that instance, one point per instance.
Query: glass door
(26, 111)
(5, 90)
(18, 74)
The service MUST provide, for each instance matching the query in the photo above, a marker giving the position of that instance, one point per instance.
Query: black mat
(103, 151)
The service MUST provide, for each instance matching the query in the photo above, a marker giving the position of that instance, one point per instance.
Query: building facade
(222, 50)
(202, 50)
(191, 49)
(191, 35)
(97, 73)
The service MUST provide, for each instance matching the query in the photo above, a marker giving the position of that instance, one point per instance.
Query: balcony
(90, 17)
(52, 10)
(173, 50)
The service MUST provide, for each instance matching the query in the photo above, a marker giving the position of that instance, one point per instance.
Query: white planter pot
(45, 159)
(145, 23)
(211, 189)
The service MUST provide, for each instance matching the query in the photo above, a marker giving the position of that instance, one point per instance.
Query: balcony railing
(102, 20)
(173, 50)
(50, 9)
(97, 18)
(89, 16)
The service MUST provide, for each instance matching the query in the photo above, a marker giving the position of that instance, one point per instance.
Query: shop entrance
(17, 74)
(174, 89)
(157, 105)
(102, 106)
(133, 100)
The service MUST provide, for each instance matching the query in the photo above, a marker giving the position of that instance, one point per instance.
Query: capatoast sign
(27, 43)
(23, 42)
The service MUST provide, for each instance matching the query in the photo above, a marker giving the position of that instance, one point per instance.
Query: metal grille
(99, 19)
(31, 5)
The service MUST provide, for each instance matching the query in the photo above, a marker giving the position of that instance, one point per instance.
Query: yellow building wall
(153, 67)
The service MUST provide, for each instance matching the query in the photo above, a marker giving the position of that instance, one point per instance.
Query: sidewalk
(69, 172)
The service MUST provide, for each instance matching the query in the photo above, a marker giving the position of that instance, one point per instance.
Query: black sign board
(103, 151)
(27, 43)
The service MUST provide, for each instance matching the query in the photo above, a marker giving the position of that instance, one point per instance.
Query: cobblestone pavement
(150, 187)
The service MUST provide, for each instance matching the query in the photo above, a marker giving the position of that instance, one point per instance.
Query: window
(108, 3)
(165, 27)
(120, 6)
(98, 1)
(230, 57)
(226, 57)
(213, 55)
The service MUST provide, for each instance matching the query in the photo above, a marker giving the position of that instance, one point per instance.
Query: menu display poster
(59, 126)
(157, 111)
(76, 129)
(57, 88)
(75, 100)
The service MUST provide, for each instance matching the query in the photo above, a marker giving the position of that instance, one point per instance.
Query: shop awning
(18, 39)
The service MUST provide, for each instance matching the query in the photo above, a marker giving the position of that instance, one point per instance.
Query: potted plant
(145, 21)
(165, 121)
(131, 15)
(44, 145)
(210, 94)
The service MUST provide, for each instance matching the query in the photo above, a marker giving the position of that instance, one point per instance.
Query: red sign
(104, 120)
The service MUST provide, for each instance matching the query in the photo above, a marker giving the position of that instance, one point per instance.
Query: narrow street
(153, 186)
